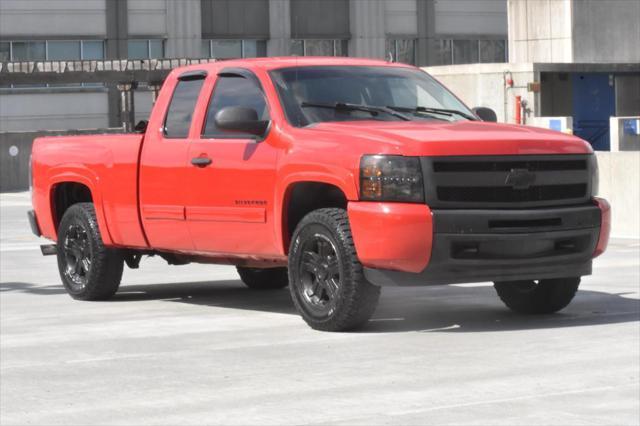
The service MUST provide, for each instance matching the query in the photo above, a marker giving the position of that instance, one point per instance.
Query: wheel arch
(302, 196)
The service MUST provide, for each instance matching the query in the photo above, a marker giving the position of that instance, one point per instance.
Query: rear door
(165, 166)
(230, 199)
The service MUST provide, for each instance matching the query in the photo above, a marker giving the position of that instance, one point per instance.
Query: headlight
(595, 179)
(391, 178)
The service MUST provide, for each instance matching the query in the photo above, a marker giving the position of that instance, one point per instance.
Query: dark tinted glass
(234, 91)
(366, 86)
(181, 108)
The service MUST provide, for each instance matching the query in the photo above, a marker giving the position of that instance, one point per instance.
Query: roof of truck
(292, 61)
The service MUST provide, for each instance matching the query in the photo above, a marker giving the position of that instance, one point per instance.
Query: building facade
(419, 32)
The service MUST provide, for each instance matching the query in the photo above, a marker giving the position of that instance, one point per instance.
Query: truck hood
(457, 138)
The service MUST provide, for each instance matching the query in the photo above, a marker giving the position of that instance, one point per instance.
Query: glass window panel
(181, 108)
(92, 50)
(5, 52)
(249, 48)
(390, 50)
(318, 48)
(342, 47)
(156, 49)
(297, 47)
(63, 51)
(29, 51)
(465, 51)
(226, 49)
(443, 52)
(405, 51)
(234, 91)
(206, 49)
(138, 49)
(492, 51)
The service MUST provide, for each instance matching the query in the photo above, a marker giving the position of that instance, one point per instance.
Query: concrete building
(421, 32)
(575, 65)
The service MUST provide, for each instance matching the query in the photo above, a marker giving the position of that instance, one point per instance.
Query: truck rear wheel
(263, 279)
(537, 297)
(89, 270)
(326, 280)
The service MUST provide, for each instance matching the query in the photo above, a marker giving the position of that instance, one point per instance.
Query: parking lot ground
(192, 345)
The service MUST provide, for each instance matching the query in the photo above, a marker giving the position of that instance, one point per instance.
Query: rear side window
(234, 90)
(180, 112)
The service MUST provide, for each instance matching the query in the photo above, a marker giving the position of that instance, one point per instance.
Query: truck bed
(107, 165)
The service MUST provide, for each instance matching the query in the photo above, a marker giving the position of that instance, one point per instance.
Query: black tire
(326, 280)
(264, 279)
(538, 297)
(89, 270)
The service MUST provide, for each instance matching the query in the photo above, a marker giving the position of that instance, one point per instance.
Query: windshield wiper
(341, 106)
(441, 111)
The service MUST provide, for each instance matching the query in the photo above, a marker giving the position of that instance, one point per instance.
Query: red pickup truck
(334, 176)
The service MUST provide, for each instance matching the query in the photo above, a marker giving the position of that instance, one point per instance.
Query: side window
(234, 90)
(180, 112)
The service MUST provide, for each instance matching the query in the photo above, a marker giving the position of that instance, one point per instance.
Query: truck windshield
(349, 93)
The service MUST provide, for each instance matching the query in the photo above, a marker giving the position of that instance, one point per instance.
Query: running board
(49, 249)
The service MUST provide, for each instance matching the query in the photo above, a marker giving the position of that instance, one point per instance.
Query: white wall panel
(28, 18)
(53, 111)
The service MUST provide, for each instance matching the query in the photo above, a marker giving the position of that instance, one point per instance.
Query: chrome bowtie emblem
(520, 178)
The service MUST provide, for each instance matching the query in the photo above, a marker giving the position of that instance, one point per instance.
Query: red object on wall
(518, 110)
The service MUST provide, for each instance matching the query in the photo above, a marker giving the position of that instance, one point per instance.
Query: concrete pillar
(367, 29)
(127, 107)
(279, 28)
(184, 29)
(425, 52)
(155, 90)
(117, 29)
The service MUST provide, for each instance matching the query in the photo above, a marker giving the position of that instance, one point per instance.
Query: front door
(165, 167)
(230, 203)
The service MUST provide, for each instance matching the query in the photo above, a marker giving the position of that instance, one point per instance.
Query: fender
(283, 188)
(86, 177)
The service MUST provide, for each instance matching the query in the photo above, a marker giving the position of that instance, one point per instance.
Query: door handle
(201, 161)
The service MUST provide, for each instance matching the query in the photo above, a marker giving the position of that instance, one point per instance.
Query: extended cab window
(234, 90)
(181, 108)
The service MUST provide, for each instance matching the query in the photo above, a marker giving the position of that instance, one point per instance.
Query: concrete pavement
(192, 345)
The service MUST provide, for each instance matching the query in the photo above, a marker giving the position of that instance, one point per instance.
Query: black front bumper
(504, 245)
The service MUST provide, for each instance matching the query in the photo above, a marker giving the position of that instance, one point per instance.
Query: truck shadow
(416, 309)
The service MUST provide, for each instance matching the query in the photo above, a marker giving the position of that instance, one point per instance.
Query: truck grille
(507, 181)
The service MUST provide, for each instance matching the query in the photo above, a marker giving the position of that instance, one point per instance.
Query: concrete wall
(606, 31)
(42, 110)
(147, 18)
(400, 17)
(50, 18)
(540, 30)
(620, 185)
(483, 85)
(471, 17)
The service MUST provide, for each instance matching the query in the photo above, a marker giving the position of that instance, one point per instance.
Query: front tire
(89, 270)
(537, 297)
(263, 279)
(326, 280)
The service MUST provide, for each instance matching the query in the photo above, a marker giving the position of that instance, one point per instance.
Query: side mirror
(141, 127)
(242, 120)
(485, 114)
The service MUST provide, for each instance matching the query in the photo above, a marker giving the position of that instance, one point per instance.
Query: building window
(51, 50)
(401, 50)
(145, 49)
(319, 47)
(469, 51)
(232, 49)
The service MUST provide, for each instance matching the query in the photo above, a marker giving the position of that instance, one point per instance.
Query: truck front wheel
(263, 279)
(537, 297)
(89, 270)
(326, 280)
